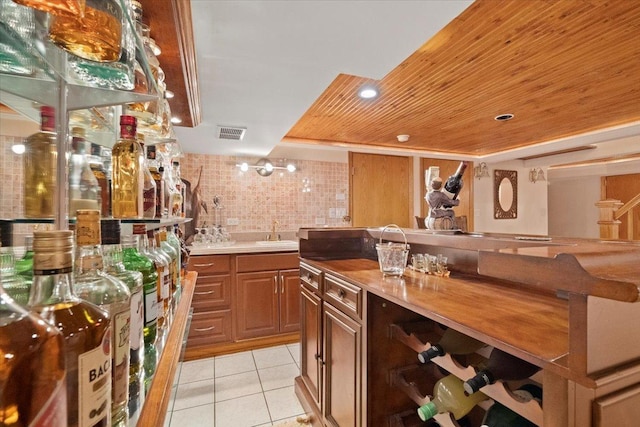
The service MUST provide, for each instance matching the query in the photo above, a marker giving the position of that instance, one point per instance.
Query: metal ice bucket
(392, 257)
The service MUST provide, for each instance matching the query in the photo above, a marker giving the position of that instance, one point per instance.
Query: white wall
(572, 210)
(532, 203)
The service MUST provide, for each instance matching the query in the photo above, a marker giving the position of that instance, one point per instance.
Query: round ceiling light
(368, 92)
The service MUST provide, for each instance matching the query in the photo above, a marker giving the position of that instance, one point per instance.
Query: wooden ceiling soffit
(603, 160)
(563, 68)
(172, 29)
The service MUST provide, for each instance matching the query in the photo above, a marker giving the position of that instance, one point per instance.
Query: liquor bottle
(84, 190)
(96, 35)
(14, 285)
(98, 169)
(114, 265)
(40, 168)
(174, 241)
(177, 181)
(499, 415)
(164, 285)
(172, 196)
(148, 187)
(449, 396)
(17, 29)
(92, 284)
(454, 182)
(165, 261)
(56, 7)
(167, 248)
(24, 265)
(154, 169)
(184, 251)
(86, 329)
(500, 366)
(32, 372)
(135, 261)
(452, 342)
(128, 174)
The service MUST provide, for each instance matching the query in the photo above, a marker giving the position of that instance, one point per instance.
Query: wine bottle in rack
(500, 366)
(452, 342)
(499, 415)
(449, 396)
(454, 182)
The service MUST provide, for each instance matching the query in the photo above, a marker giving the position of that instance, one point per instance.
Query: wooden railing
(611, 210)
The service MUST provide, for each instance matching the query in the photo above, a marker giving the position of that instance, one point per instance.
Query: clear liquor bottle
(148, 187)
(40, 168)
(167, 248)
(56, 7)
(172, 196)
(92, 284)
(164, 284)
(99, 171)
(154, 169)
(165, 260)
(84, 189)
(32, 372)
(86, 329)
(174, 241)
(449, 396)
(114, 265)
(14, 285)
(96, 35)
(135, 261)
(128, 174)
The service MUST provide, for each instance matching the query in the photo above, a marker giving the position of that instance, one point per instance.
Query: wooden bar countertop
(533, 326)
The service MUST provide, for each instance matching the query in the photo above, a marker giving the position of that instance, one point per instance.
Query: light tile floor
(252, 388)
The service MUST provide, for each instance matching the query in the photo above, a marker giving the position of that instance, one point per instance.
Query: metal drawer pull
(209, 264)
(282, 284)
(342, 293)
(204, 293)
(210, 328)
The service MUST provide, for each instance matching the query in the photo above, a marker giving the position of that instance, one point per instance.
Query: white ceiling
(261, 64)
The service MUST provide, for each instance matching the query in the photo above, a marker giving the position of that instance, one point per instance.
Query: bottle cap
(474, 384)
(110, 229)
(428, 411)
(78, 131)
(127, 120)
(434, 351)
(87, 227)
(52, 252)
(47, 118)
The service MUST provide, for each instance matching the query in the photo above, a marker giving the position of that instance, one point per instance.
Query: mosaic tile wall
(253, 200)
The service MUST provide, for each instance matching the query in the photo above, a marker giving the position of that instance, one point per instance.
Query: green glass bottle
(24, 265)
(135, 261)
(114, 265)
(13, 284)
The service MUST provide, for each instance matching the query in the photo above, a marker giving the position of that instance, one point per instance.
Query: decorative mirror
(505, 194)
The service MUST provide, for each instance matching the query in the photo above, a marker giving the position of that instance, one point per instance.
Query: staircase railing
(611, 210)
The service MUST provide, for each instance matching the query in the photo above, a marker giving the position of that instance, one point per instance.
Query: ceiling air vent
(232, 133)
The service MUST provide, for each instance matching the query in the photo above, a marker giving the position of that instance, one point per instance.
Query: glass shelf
(159, 221)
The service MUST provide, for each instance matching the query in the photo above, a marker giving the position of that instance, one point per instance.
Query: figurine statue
(441, 215)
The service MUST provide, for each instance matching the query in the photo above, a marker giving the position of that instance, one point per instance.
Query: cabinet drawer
(211, 293)
(312, 277)
(343, 295)
(210, 328)
(209, 264)
(267, 262)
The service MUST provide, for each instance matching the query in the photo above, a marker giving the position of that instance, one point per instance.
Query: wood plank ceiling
(561, 67)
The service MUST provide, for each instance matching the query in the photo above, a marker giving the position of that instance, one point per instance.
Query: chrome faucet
(273, 236)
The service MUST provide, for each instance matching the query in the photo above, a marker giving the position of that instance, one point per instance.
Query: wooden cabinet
(212, 321)
(267, 303)
(331, 348)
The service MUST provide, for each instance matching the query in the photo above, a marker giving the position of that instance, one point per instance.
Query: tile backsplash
(248, 199)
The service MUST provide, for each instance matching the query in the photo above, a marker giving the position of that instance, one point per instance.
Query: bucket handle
(396, 227)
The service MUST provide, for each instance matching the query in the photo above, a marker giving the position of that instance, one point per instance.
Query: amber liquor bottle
(40, 168)
(112, 295)
(128, 174)
(86, 329)
(32, 372)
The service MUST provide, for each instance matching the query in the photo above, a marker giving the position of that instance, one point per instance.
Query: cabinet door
(290, 300)
(256, 304)
(310, 343)
(342, 370)
(211, 293)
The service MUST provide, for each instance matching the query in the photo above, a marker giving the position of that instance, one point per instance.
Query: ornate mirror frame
(498, 178)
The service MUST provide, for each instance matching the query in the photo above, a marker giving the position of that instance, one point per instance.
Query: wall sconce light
(536, 174)
(481, 171)
(265, 167)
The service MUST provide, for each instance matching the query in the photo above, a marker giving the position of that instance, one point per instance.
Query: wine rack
(498, 391)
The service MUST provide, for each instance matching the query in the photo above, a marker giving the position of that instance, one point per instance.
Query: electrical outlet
(233, 221)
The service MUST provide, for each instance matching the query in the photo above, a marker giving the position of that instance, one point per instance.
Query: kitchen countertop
(243, 247)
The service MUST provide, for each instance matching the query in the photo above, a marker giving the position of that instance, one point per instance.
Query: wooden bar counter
(568, 306)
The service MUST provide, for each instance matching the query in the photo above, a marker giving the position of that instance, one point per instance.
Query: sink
(277, 242)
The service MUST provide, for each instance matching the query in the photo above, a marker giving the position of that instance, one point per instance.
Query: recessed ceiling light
(176, 120)
(503, 117)
(368, 92)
